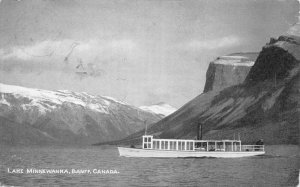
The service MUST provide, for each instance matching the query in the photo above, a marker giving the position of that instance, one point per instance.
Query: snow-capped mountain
(65, 116)
(46, 101)
(163, 109)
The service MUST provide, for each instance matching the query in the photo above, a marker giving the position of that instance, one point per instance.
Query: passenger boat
(176, 148)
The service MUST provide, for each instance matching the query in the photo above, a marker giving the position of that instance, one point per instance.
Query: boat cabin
(197, 145)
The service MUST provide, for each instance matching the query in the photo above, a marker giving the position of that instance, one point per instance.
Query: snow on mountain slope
(66, 116)
(43, 98)
(160, 108)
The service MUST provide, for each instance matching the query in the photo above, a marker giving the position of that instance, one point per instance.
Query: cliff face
(33, 116)
(228, 70)
(258, 108)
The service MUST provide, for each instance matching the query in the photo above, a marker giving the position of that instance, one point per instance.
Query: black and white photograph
(149, 93)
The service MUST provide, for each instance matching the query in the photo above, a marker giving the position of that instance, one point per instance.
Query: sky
(138, 51)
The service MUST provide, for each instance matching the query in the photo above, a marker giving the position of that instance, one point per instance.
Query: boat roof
(162, 139)
(197, 140)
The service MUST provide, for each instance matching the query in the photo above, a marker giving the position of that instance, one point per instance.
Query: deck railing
(253, 148)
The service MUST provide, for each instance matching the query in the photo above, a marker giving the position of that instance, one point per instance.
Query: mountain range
(35, 116)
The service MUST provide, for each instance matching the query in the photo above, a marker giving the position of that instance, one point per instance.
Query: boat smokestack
(199, 131)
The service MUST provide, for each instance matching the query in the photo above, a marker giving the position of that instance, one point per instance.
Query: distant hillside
(162, 109)
(34, 116)
(265, 106)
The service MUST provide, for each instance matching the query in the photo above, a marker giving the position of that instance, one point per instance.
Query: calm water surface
(279, 167)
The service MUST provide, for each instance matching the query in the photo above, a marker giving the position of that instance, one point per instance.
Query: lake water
(279, 167)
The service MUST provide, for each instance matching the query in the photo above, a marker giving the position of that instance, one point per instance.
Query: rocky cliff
(228, 70)
(34, 116)
(266, 105)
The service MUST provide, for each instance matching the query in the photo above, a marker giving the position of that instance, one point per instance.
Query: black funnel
(199, 131)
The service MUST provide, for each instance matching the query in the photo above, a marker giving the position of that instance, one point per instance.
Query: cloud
(227, 41)
(51, 50)
(109, 59)
(40, 49)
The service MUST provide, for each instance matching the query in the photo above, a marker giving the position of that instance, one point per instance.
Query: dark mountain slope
(265, 106)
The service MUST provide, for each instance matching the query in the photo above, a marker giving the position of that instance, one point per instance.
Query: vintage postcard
(149, 93)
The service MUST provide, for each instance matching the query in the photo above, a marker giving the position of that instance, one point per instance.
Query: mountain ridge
(66, 117)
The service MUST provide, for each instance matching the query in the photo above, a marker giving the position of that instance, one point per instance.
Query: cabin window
(183, 146)
(155, 144)
(173, 145)
(179, 145)
(147, 143)
(236, 146)
(227, 146)
(166, 144)
(189, 145)
(211, 146)
(220, 146)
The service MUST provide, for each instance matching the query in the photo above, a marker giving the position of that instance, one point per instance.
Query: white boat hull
(133, 152)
